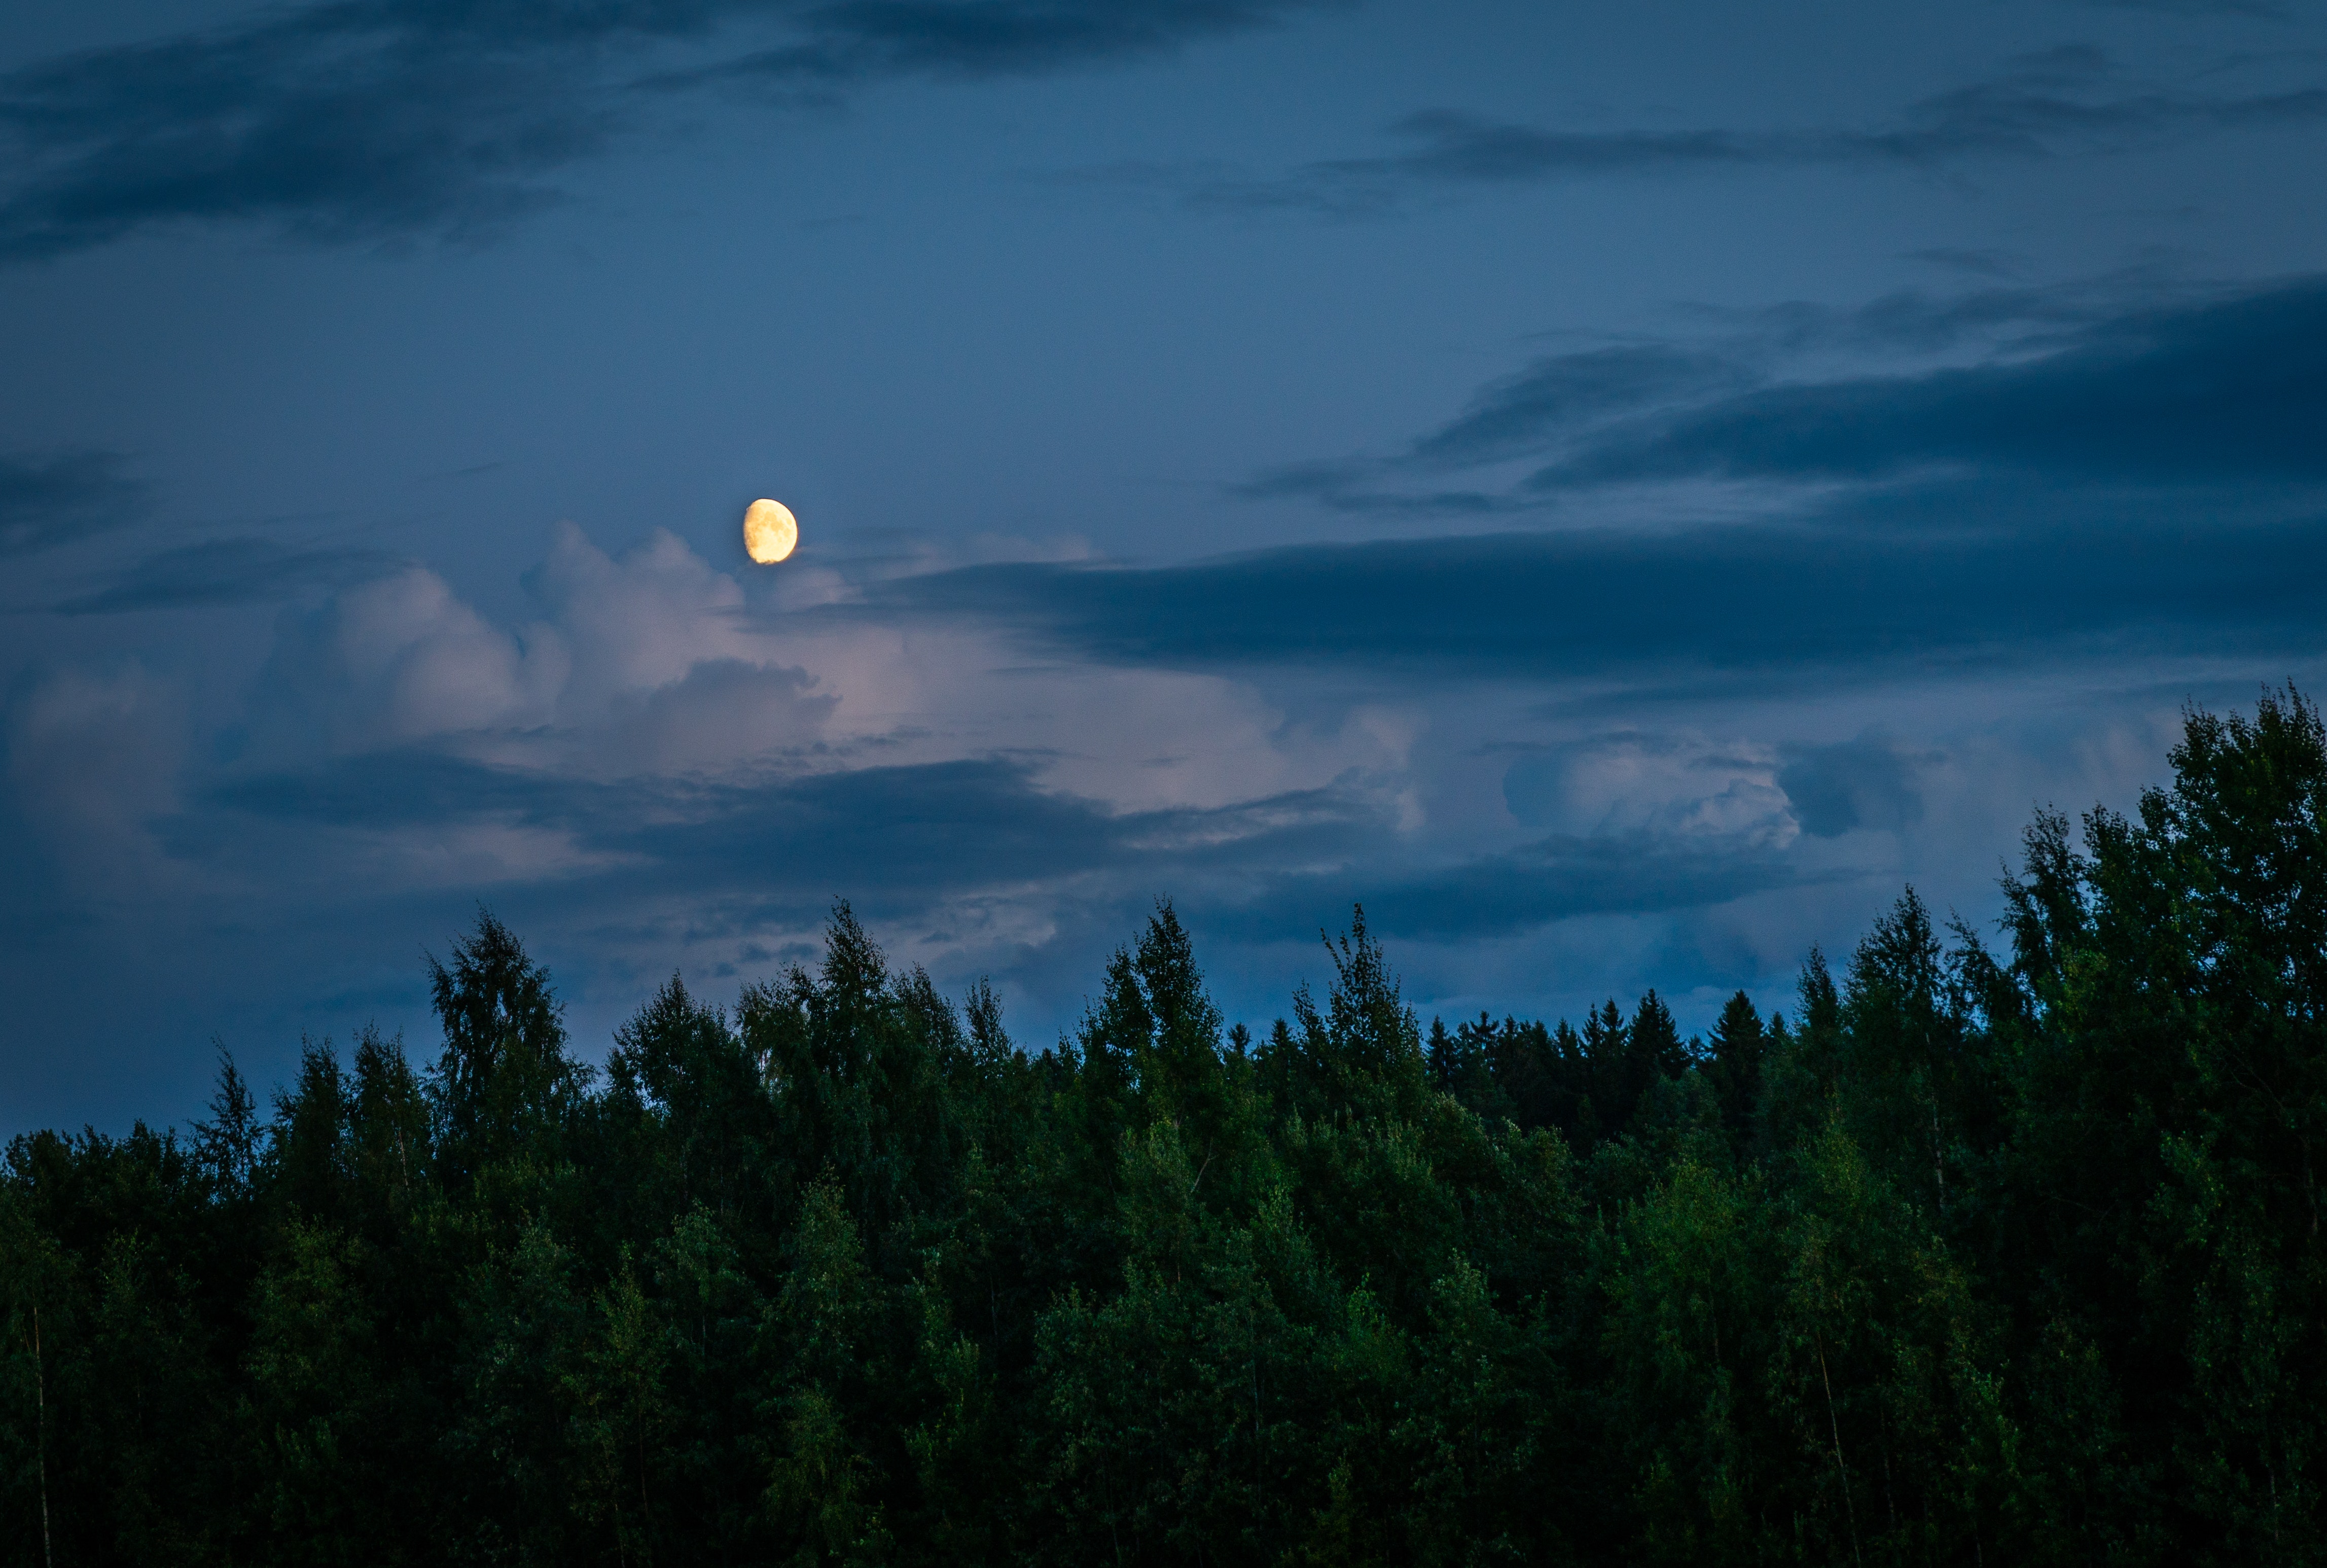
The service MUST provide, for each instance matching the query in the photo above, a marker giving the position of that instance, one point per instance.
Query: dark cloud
(1566, 391)
(1559, 878)
(2232, 391)
(1916, 321)
(2075, 384)
(227, 571)
(862, 40)
(910, 841)
(2209, 8)
(1630, 779)
(1855, 593)
(343, 122)
(890, 835)
(2063, 102)
(1581, 402)
(53, 501)
(380, 119)
(1358, 486)
(1869, 782)
(371, 119)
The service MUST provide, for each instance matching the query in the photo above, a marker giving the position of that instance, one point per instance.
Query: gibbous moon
(770, 531)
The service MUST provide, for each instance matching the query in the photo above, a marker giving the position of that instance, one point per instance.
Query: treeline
(1976, 1256)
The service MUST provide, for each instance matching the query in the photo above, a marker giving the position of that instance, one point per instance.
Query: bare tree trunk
(646, 1512)
(1939, 1157)
(40, 1427)
(1849, 1510)
(1252, 1346)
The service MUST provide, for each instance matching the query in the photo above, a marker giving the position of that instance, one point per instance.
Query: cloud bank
(1969, 553)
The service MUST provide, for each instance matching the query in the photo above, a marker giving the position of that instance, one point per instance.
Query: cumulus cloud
(1000, 764)
(651, 766)
(718, 711)
(641, 663)
(639, 622)
(653, 735)
(1670, 785)
(402, 658)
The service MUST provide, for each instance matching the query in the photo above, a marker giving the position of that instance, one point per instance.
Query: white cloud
(638, 623)
(644, 663)
(1674, 783)
(401, 658)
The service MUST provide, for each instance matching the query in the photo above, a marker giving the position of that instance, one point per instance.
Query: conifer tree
(1966, 1258)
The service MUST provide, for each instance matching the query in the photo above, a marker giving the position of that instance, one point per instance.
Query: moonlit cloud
(652, 725)
(401, 659)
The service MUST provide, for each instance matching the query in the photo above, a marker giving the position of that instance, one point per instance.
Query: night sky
(1620, 490)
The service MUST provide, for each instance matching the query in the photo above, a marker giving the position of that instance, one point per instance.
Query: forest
(1995, 1248)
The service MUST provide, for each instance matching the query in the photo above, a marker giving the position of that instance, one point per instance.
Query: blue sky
(1620, 490)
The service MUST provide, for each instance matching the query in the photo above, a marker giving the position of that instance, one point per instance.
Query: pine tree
(1739, 1044)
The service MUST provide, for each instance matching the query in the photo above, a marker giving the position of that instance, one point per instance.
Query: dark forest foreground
(1994, 1258)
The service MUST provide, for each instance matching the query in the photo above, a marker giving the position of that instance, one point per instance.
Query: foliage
(2009, 1258)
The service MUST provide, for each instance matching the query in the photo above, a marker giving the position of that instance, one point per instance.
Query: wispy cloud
(1856, 593)
(918, 832)
(1561, 878)
(2074, 384)
(2065, 102)
(860, 41)
(50, 501)
(2232, 390)
(1574, 402)
(227, 571)
(384, 119)
(1566, 392)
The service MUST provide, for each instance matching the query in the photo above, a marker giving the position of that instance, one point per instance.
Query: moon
(770, 531)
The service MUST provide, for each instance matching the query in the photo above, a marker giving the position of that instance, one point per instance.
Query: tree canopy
(1974, 1256)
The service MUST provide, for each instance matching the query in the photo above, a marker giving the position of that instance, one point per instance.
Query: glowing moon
(770, 531)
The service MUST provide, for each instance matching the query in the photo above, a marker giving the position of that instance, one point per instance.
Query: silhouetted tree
(1970, 1258)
